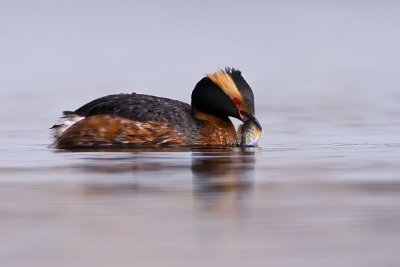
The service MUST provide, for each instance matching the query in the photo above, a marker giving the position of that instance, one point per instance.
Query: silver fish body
(249, 133)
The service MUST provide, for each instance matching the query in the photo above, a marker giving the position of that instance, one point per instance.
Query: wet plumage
(145, 120)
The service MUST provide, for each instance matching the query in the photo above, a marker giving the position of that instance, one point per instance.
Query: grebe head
(224, 94)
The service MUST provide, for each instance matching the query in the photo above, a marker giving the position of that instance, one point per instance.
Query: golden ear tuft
(226, 83)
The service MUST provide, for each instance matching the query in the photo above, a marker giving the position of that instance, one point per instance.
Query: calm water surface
(323, 188)
(303, 198)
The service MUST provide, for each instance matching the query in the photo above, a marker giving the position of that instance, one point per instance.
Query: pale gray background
(322, 189)
(59, 54)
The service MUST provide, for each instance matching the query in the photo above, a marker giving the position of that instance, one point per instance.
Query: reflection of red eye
(236, 101)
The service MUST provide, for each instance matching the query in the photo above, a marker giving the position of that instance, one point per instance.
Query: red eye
(236, 101)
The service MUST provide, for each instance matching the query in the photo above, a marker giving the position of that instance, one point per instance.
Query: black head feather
(207, 97)
(243, 87)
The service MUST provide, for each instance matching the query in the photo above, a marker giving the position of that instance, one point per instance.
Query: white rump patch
(65, 122)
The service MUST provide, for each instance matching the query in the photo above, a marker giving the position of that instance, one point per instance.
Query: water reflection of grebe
(217, 174)
(222, 178)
